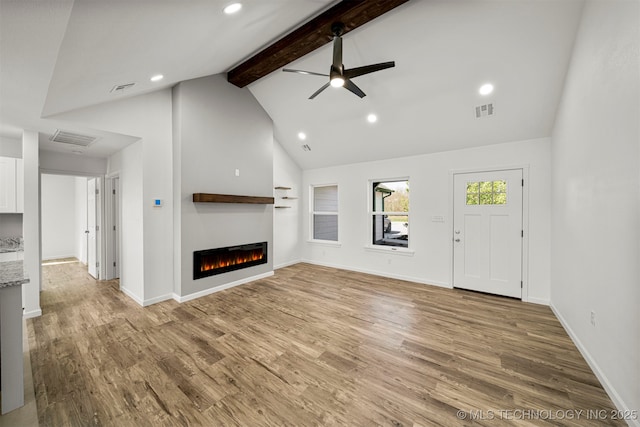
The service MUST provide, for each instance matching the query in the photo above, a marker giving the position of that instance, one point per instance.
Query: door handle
(457, 240)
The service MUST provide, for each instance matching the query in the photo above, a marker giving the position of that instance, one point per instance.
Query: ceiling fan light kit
(338, 75)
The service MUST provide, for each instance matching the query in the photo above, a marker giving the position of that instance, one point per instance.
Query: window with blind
(324, 212)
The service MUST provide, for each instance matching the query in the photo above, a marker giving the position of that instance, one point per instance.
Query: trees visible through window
(390, 212)
(324, 212)
(487, 193)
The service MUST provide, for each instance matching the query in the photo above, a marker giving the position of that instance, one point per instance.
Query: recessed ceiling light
(486, 89)
(372, 118)
(302, 136)
(233, 8)
(157, 78)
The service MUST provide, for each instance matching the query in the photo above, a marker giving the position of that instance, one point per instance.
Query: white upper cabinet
(11, 185)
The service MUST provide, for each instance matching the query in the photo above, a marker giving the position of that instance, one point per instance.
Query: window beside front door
(390, 213)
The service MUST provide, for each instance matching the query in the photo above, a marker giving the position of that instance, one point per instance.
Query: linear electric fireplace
(222, 260)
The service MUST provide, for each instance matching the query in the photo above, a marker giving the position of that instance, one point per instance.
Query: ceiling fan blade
(337, 52)
(359, 71)
(316, 93)
(351, 86)
(311, 73)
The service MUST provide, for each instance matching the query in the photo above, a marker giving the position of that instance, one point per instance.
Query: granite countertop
(11, 244)
(12, 274)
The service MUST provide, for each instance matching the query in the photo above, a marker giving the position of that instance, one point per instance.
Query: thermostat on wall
(157, 203)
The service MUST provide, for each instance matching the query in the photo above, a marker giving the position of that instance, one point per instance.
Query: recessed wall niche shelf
(231, 198)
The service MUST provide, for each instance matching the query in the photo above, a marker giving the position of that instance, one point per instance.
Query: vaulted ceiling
(62, 55)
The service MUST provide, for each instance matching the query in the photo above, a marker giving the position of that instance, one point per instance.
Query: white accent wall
(430, 179)
(595, 246)
(287, 222)
(218, 129)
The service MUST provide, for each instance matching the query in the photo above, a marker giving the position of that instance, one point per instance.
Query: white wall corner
(133, 296)
(156, 300)
(287, 264)
(534, 300)
(606, 384)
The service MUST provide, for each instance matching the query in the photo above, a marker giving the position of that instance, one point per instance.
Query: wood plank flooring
(310, 346)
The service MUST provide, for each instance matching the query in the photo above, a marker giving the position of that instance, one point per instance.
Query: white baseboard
(539, 301)
(220, 288)
(32, 313)
(60, 256)
(131, 295)
(146, 302)
(608, 387)
(287, 264)
(381, 274)
(156, 300)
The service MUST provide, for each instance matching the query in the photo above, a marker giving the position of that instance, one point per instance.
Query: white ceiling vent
(77, 139)
(484, 110)
(120, 88)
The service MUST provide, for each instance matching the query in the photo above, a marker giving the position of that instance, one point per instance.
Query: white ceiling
(62, 55)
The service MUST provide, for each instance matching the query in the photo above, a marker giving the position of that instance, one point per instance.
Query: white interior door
(487, 232)
(92, 243)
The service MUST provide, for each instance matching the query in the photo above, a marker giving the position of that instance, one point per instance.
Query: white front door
(92, 261)
(487, 232)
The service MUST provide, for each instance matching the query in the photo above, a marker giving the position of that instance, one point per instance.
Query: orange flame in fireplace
(231, 259)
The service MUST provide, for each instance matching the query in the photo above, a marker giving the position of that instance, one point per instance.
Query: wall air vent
(306, 147)
(484, 111)
(77, 139)
(121, 88)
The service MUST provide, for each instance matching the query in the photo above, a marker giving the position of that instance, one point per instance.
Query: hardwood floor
(310, 346)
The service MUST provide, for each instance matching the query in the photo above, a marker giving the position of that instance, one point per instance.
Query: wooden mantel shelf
(230, 198)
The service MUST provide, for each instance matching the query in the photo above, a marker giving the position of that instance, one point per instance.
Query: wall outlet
(237, 172)
(593, 318)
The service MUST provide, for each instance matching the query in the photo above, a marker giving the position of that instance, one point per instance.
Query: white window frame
(400, 250)
(313, 213)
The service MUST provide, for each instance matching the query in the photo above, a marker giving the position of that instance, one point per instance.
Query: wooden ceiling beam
(309, 37)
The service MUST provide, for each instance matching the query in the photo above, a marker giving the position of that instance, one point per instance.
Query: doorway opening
(79, 224)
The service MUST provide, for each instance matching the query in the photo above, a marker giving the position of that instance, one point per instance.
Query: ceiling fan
(338, 75)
